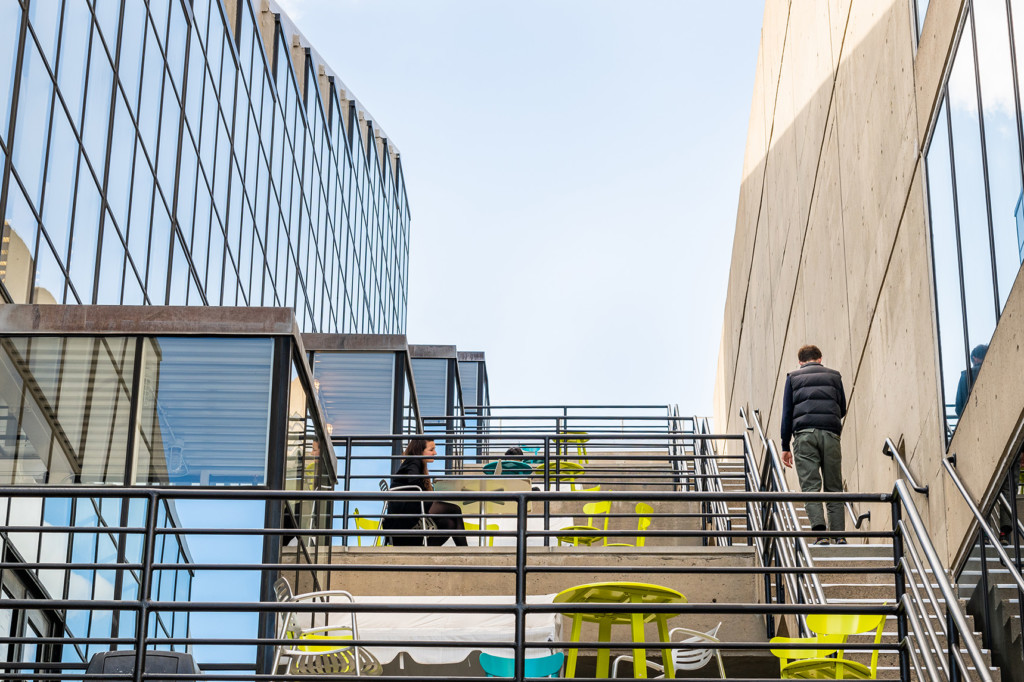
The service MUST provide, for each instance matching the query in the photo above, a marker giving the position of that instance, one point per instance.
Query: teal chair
(508, 467)
(499, 666)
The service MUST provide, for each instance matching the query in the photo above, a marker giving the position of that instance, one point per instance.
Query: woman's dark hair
(415, 451)
(416, 447)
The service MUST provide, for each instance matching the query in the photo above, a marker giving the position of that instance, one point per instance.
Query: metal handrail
(954, 617)
(789, 517)
(1004, 558)
(890, 450)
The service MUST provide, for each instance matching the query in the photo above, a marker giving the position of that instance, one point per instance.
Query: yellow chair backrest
(787, 654)
(592, 509)
(366, 524)
(644, 522)
(848, 624)
(469, 525)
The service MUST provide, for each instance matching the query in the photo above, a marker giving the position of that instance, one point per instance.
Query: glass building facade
(975, 179)
(174, 153)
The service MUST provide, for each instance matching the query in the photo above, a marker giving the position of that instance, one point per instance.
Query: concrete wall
(832, 247)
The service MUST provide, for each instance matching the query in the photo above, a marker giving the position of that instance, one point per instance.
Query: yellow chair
(581, 444)
(821, 666)
(476, 526)
(643, 523)
(591, 509)
(363, 523)
(787, 655)
(565, 472)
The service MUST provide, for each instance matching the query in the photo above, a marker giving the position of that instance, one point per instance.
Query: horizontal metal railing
(224, 573)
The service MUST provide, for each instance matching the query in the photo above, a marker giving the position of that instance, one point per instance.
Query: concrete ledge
(147, 320)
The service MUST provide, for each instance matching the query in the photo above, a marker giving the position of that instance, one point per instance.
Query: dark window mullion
(984, 165)
(959, 250)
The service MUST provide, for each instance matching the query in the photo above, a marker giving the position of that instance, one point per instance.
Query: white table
(459, 630)
(483, 507)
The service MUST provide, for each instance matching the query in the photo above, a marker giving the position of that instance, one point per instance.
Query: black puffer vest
(818, 398)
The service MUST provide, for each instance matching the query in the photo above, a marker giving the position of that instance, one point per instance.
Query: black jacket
(813, 399)
(409, 473)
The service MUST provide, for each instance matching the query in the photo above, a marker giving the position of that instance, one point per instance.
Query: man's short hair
(979, 352)
(809, 353)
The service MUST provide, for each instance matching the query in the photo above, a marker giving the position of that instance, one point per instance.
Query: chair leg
(604, 634)
(570, 665)
(666, 654)
(636, 622)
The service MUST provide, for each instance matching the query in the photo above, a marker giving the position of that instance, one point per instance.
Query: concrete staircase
(875, 589)
(1003, 602)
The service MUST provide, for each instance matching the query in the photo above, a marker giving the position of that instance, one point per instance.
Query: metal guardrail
(218, 654)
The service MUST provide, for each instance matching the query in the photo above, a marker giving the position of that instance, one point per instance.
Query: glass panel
(60, 183)
(97, 107)
(975, 249)
(75, 429)
(49, 285)
(355, 391)
(1001, 144)
(17, 246)
(204, 415)
(10, 16)
(82, 269)
(74, 48)
(30, 128)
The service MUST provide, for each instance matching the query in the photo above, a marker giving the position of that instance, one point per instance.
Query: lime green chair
(544, 666)
(643, 511)
(363, 523)
(566, 472)
(592, 510)
(581, 440)
(476, 526)
(824, 667)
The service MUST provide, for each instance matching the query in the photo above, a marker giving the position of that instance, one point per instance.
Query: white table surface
(450, 627)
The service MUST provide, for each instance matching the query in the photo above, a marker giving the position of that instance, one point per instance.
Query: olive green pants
(818, 457)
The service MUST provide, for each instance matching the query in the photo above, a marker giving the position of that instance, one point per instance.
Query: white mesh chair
(314, 652)
(686, 659)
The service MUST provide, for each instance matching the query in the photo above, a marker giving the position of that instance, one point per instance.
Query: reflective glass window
(10, 16)
(60, 182)
(74, 48)
(204, 414)
(355, 391)
(49, 282)
(33, 119)
(97, 107)
(82, 267)
(18, 246)
(975, 247)
(1001, 144)
(44, 18)
(73, 430)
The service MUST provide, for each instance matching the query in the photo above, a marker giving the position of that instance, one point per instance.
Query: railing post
(952, 645)
(901, 588)
(145, 586)
(986, 614)
(520, 649)
(348, 486)
(547, 486)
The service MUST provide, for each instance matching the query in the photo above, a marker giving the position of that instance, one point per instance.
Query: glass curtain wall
(974, 166)
(160, 155)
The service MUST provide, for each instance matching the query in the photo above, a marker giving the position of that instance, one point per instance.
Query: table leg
(604, 634)
(570, 665)
(666, 654)
(636, 623)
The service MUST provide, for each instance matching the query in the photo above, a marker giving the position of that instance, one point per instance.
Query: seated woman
(404, 514)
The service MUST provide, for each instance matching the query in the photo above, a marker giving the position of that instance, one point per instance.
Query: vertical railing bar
(520, 662)
(145, 584)
(901, 586)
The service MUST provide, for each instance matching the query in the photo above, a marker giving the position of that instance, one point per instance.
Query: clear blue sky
(573, 169)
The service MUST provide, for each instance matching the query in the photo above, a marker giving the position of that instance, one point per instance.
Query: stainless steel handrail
(790, 517)
(990, 534)
(889, 450)
(953, 614)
